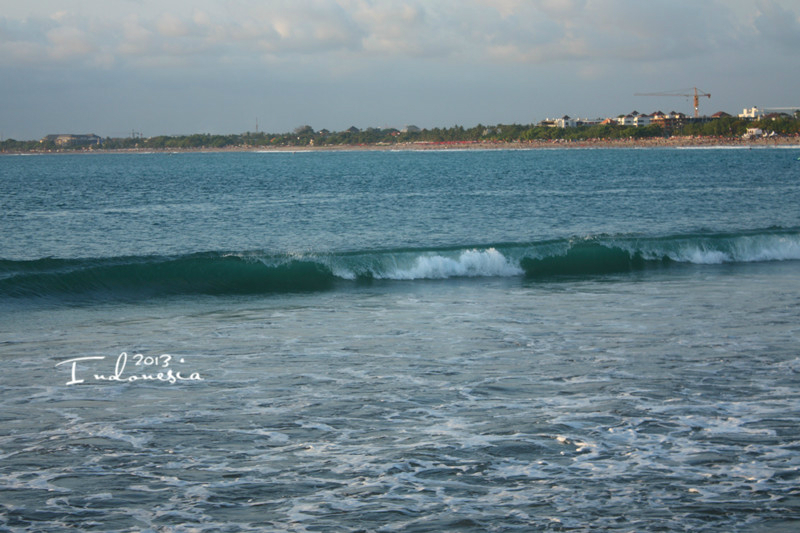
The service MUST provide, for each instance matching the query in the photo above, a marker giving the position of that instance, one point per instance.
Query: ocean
(496, 340)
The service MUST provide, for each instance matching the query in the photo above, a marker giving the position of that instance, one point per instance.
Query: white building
(753, 133)
(634, 119)
(568, 122)
(753, 112)
(564, 122)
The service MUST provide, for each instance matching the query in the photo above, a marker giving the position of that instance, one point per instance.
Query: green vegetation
(727, 127)
(11, 145)
(736, 127)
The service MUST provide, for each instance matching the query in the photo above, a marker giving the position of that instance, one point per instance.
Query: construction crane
(696, 94)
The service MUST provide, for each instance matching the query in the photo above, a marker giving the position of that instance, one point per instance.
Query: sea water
(541, 340)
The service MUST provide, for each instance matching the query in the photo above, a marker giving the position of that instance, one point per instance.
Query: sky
(175, 67)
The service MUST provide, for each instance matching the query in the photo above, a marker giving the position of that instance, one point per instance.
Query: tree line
(726, 127)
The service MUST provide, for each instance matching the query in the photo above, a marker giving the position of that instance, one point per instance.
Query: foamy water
(498, 405)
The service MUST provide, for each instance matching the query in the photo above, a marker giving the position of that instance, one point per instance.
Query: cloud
(295, 30)
(611, 30)
(778, 24)
(69, 42)
(16, 47)
(170, 25)
(394, 29)
(136, 38)
(149, 33)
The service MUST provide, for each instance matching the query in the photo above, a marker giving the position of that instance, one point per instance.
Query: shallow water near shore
(501, 342)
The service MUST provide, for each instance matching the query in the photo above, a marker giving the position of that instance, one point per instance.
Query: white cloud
(67, 42)
(474, 31)
(611, 30)
(170, 25)
(136, 38)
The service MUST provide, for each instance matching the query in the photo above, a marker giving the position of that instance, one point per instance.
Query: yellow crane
(682, 92)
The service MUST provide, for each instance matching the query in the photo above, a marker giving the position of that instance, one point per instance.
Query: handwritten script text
(148, 368)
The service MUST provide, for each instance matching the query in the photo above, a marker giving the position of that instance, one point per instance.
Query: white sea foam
(741, 249)
(700, 256)
(770, 248)
(471, 263)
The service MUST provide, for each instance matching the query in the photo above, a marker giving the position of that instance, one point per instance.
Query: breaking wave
(220, 273)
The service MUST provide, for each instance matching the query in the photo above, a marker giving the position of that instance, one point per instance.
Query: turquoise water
(401, 341)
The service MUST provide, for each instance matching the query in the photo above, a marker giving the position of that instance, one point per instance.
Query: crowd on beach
(660, 142)
(693, 141)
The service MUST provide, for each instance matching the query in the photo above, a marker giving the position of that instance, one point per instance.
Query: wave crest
(469, 263)
(261, 273)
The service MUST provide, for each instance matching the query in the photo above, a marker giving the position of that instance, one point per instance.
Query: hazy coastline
(668, 142)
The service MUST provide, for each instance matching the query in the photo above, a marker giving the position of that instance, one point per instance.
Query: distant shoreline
(669, 142)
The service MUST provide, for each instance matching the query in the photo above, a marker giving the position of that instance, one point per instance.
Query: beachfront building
(70, 139)
(588, 121)
(568, 122)
(634, 119)
(753, 133)
(564, 122)
(669, 120)
(753, 113)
